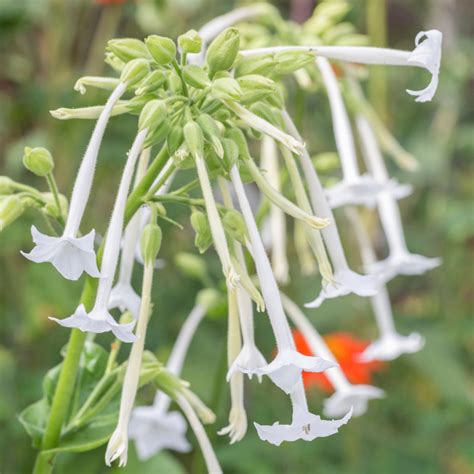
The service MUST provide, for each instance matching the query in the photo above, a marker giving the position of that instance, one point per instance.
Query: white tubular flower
(261, 125)
(212, 463)
(237, 426)
(346, 395)
(117, 448)
(354, 188)
(99, 319)
(285, 369)
(154, 428)
(89, 113)
(277, 222)
(304, 425)
(400, 261)
(123, 296)
(390, 343)
(107, 83)
(72, 255)
(426, 55)
(344, 280)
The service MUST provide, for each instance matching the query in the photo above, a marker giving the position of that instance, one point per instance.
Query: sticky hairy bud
(150, 243)
(162, 49)
(226, 88)
(194, 138)
(195, 76)
(38, 160)
(234, 224)
(200, 224)
(223, 50)
(152, 115)
(135, 71)
(190, 42)
(127, 49)
(151, 82)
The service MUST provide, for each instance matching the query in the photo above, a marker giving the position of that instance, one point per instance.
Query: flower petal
(392, 346)
(355, 396)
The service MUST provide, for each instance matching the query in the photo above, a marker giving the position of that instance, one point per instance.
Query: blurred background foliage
(425, 423)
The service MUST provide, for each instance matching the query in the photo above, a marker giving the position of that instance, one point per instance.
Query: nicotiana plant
(202, 102)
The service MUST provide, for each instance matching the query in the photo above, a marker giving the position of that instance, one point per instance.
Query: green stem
(153, 190)
(180, 74)
(67, 377)
(54, 191)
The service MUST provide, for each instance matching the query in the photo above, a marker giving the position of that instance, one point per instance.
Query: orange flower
(346, 349)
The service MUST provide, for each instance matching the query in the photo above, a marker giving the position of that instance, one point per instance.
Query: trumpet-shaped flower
(400, 260)
(72, 255)
(99, 319)
(304, 425)
(285, 369)
(426, 55)
(346, 395)
(393, 345)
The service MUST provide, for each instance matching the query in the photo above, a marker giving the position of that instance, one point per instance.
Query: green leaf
(34, 418)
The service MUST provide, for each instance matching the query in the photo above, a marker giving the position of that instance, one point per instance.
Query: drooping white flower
(426, 55)
(344, 280)
(390, 344)
(117, 448)
(400, 261)
(154, 427)
(99, 319)
(285, 369)
(346, 396)
(304, 425)
(70, 254)
(277, 220)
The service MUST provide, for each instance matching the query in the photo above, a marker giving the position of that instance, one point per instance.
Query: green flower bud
(209, 298)
(231, 153)
(135, 71)
(211, 133)
(11, 208)
(127, 49)
(190, 42)
(238, 137)
(255, 87)
(162, 50)
(38, 160)
(175, 139)
(290, 61)
(7, 185)
(174, 83)
(226, 88)
(223, 50)
(263, 65)
(150, 243)
(234, 224)
(182, 159)
(152, 115)
(51, 208)
(200, 224)
(194, 138)
(151, 83)
(158, 135)
(191, 265)
(195, 76)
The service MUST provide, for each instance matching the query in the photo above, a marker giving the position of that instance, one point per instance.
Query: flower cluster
(200, 101)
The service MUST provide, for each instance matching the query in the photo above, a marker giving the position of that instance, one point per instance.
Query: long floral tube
(118, 443)
(72, 255)
(426, 55)
(212, 463)
(285, 369)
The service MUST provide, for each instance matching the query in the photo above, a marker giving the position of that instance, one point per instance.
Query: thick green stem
(67, 377)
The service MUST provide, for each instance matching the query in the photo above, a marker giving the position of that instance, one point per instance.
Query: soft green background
(425, 423)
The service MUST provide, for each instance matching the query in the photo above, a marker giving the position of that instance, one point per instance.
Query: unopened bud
(238, 137)
(211, 133)
(208, 298)
(175, 139)
(223, 50)
(127, 49)
(234, 224)
(11, 208)
(162, 49)
(151, 82)
(38, 160)
(191, 265)
(195, 76)
(226, 88)
(201, 227)
(190, 42)
(255, 87)
(231, 153)
(135, 71)
(7, 185)
(150, 243)
(152, 115)
(194, 138)
(263, 65)
(290, 61)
